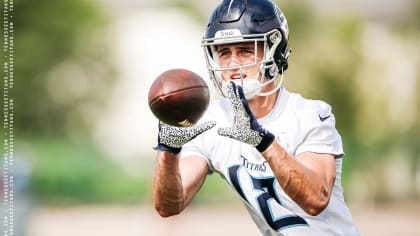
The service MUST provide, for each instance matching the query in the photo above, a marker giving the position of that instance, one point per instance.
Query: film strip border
(8, 119)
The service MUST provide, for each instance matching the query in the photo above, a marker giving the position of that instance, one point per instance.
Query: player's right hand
(171, 138)
(246, 127)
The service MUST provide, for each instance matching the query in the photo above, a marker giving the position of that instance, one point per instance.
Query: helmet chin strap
(278, 85)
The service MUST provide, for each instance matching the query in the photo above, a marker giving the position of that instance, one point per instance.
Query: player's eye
(224, 52)
(246, 51)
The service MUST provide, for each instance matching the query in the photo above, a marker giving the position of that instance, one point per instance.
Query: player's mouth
(237, 76)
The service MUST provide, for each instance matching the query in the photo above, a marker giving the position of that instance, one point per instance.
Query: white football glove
(246, 127)
(171, 138)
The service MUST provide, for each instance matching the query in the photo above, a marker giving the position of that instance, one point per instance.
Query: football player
(279, 151)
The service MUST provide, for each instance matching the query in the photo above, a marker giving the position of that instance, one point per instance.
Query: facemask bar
(266, 65)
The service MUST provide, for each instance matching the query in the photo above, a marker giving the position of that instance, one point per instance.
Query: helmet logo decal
(228, 33)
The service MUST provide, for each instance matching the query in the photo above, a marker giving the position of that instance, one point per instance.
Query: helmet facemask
(268, 69)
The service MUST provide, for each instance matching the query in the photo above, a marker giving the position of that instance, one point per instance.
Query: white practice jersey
(299, 125)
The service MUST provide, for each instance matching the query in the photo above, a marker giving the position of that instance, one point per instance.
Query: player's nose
(234, 61)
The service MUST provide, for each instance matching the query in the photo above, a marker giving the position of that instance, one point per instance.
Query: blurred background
(84, 132)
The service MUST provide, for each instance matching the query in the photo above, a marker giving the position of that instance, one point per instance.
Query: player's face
(242, 54)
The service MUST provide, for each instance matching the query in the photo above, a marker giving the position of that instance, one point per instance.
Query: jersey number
(266, 185)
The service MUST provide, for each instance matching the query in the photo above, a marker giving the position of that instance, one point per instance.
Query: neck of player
(262, 105)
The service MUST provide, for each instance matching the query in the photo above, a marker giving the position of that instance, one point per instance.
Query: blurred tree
(336, 68)
(62, 75)
(300, 18)
(49, 34)
(324, 66)
(189, 7)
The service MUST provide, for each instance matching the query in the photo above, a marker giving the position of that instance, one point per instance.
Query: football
(178, 97)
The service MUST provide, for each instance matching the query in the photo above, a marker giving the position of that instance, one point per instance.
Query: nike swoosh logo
(323, 118)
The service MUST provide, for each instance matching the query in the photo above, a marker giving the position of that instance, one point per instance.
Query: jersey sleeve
(192, 149)
(202, 145)
(319, 134)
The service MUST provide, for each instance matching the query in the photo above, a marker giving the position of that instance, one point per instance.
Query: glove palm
(246, 127)
(171, 138)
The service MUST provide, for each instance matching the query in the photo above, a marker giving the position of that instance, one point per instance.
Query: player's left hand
(246, 127)
(171, 138)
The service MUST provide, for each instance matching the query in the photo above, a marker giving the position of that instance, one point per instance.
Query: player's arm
(308, 179)
(176, 182)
